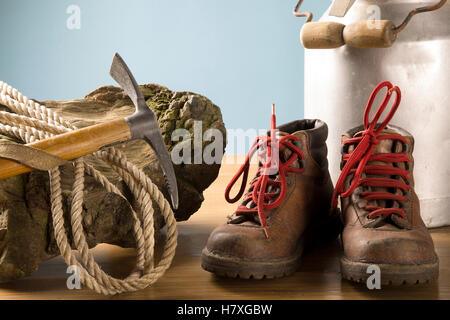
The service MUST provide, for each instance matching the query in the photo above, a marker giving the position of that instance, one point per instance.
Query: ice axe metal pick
(143, 124)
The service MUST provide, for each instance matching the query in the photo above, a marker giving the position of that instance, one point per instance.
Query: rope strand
(33, 122)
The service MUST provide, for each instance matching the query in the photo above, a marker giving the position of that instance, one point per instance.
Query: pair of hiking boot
(291, 204)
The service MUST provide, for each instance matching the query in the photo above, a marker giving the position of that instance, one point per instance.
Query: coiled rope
(30, 121)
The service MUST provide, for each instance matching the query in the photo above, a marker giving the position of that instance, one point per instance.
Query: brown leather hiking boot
(282, 211)
(380, 209)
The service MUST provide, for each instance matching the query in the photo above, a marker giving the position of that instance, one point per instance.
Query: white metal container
(338, 83)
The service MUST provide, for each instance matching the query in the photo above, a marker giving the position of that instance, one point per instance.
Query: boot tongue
(284, 153)
(253, 219)
(384, 146)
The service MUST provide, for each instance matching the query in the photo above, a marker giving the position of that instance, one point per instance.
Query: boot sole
(391, 274)
(238, 268)
(233, 267)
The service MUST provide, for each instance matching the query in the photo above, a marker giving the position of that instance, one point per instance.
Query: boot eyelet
(344, 149)
(407, 166)
(302, 163)
(406, 148)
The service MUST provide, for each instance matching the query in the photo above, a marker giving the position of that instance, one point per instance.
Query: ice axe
(143, 124)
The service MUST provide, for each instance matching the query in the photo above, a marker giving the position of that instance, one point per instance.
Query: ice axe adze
(142, 124)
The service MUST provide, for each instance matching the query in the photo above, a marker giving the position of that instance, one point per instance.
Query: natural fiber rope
(30, 122)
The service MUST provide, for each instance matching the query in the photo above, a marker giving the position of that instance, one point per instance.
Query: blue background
(242, 54)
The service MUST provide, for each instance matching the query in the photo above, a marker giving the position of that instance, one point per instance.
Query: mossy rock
(26, 233)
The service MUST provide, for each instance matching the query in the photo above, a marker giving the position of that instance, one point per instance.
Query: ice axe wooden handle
(72, 145)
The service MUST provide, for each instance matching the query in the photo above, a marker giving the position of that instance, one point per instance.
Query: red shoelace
(271, 172)
(355, 163)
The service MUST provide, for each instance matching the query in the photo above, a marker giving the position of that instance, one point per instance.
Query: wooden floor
(317, 278)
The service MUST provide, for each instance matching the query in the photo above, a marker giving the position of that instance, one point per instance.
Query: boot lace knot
(355, 163)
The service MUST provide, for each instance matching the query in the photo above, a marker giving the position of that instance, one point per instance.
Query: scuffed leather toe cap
(387, 247)
(241, 242)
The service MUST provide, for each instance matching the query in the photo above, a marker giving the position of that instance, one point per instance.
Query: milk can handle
(433, 7)
(395, 30)
(307, 14)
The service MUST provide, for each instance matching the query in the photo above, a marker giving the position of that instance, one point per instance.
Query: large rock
(26, 235)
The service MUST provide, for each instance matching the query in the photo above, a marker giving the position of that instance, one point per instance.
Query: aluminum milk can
(338, 83)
